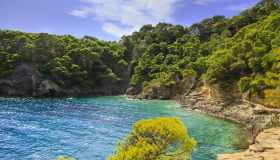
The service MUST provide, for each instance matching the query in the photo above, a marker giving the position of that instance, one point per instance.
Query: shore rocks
(28, 81)
(254, 117)
(266, 147)
(164, 90)
(158, 92)
(22, 82)
(48, 87)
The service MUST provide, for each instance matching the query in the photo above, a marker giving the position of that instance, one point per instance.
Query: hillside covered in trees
(47, 65)
(240, 54)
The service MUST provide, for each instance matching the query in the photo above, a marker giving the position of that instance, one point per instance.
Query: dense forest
(240, 54)
(62, 64)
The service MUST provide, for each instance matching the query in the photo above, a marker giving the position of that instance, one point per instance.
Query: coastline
(267, 147)
(256, 119)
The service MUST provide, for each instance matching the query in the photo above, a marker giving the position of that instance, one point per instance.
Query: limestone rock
(266, 147)
(23, 82)
(48, 87)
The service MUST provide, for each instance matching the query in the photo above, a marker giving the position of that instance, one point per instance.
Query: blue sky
(109, 19)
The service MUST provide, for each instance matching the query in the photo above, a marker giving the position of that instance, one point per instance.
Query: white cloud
(82, 12)
(116, 30)
(239, 7)
(129, 13)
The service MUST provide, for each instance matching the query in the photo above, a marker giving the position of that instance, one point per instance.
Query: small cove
(89, 128)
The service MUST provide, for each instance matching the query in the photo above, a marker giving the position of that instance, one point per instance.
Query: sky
(109, 19)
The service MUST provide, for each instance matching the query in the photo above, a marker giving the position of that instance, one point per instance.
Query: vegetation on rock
(85, 63)
(163, 61)
(238, 53)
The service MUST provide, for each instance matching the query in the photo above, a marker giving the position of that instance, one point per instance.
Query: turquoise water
(89, 128)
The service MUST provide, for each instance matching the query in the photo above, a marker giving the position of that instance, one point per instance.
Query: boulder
(48, 88)
(23, 82)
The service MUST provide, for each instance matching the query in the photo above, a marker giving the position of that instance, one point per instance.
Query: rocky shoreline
(254, 117)
(27, 81)
(266, 147)
(258, 120)
(261, 123)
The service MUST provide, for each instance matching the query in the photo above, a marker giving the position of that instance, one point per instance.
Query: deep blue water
(89, 128)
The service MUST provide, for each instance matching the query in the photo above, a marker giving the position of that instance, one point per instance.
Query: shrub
(156, 139)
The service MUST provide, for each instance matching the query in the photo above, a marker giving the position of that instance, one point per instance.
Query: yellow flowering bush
(156, 139)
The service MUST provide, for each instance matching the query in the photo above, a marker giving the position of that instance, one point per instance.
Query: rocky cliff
(257, 119)
(214, 101)
(26, 81)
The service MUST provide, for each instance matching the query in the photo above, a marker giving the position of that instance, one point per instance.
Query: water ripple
(89, 128)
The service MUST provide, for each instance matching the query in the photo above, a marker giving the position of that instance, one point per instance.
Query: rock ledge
(266, 147)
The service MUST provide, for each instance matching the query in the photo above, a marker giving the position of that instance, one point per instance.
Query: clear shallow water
(89, 128)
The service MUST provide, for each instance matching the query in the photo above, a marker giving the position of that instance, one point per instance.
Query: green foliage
(272, 97)
(244, 84)
(66, 60)
(242, 50)
(252, 59)
(7, 62)
(156, 139)
(164, 63)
